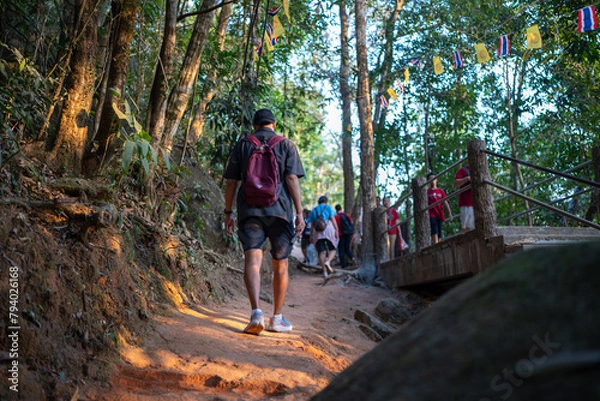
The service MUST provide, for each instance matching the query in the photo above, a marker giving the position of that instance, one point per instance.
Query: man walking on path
(345, 233)
(260, 219)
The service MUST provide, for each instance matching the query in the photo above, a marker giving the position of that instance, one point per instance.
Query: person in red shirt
(436, 213)
(465, 199)
(392, 218)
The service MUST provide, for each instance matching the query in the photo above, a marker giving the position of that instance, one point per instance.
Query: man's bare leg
(252, 263)
(280, 284)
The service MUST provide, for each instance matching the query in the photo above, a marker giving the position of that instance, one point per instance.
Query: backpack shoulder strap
(253, 140)
(275, 140)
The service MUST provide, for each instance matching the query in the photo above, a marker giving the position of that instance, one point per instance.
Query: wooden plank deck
(465, 255)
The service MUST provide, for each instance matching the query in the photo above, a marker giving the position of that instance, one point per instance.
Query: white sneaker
(279, 325)
(329, 268)
(256, 325)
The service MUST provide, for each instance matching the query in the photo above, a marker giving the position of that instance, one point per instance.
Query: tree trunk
(422, 224)
(157, 104)
(248, 79)
(124, 13)
(367, 269)
(386, 63)
(513, 101)
(346, 110)
(180, 95)
(211, 86)
(67, 150)
(483, 200)
(594, 208)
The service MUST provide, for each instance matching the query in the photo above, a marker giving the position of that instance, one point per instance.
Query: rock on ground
(527, 329)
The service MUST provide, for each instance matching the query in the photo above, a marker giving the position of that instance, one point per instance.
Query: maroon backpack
(262, 175)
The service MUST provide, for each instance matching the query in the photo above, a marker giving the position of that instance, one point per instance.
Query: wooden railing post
(596, 164)
(422, 228)
(483, 201)
(380, 233)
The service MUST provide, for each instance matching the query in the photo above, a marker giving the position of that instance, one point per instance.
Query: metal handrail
(542, 204)
(545, 169)
(533, 209)
(537, 184)
(406, 220)
(452, 195)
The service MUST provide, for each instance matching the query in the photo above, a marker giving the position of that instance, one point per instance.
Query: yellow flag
(277, 27)
(482, 54)
(267, 43)
(392, 93)
(438, 68)
(286, 8)
(534, 39)
(406, 75)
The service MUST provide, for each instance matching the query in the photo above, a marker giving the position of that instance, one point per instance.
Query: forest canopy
(138, 89)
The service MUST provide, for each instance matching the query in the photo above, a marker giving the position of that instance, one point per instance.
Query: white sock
(279, 316)
(257, 310)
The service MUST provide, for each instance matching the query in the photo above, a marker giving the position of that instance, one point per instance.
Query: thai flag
(384, 102)
(458, 60)
(270, 30)
(259, 49)
(586, 19)
(273, 12)
(273, 41)
(504, 46)
(416, 62)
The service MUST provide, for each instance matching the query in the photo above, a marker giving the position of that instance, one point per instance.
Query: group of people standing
(437, 196)
(437, 200)
(331, 232)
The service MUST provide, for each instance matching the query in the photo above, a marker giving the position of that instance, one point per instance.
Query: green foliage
(23, 98)
(137, 148)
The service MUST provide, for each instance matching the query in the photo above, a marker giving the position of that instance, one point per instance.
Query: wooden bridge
(461, 256)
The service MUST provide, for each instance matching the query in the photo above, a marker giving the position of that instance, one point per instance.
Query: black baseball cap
(263, 116)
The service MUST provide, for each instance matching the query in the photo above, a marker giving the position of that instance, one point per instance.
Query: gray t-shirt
(288, 162)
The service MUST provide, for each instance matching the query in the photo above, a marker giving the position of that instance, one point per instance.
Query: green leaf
(136, 125)
(154, 158)
(144, 135)
(128, 111)
(118, 112)
(114, 92)
(128, 148)
(167, 161)
(146, 166)
(143, 145)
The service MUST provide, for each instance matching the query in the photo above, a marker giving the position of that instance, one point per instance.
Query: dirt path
(200, 353)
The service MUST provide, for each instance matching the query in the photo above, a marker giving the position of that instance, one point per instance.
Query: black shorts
(305, 241)
(324, 245)
(437, 226)
(253, 232)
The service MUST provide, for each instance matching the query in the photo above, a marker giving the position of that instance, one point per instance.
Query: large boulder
(526, 329)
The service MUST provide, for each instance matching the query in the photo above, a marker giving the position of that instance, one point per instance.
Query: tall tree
(385, 67)
(367, 166)
(124, 13)
(157, 104)
(68, 145)
(347, 164)
(180, 95)
(210, 86)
